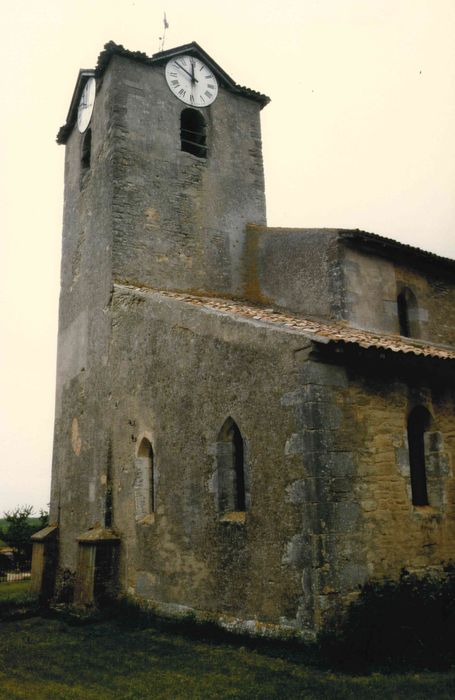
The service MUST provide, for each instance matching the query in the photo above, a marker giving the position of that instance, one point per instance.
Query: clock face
(191, 81)
(85, 109)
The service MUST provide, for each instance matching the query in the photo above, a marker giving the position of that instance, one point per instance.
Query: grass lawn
(17, 592)
(47, 659)
(15, 599)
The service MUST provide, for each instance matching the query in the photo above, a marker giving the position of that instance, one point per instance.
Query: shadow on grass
(112, 659)
(129, 615)
(403, 625)
(407, 624)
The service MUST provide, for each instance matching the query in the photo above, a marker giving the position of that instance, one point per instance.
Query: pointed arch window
(407, 313)
(419, 422)
(86, 153)
(232, 476)
(144, 487)
(193, 133)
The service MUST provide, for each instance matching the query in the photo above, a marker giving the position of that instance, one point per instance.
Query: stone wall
(192, 369)
(358, 521)
(81, 431)
(372, 284)
(296, 269)
(179, 220)
(330, 504)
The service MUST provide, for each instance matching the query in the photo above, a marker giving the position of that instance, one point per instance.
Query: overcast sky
(360, 133)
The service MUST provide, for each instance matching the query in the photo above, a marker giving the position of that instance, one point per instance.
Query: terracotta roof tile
(318, 331)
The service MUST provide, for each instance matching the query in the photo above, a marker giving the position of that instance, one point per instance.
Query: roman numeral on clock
(191, 81)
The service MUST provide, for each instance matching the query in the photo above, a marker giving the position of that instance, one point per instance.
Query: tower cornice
(112, 49)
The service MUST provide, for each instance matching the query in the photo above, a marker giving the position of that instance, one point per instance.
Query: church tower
(172, 147)
(163, 171)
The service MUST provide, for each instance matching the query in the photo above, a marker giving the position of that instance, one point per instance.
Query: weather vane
(162, 38)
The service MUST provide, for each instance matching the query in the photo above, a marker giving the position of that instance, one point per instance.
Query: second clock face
(191, 81)
(85, 109)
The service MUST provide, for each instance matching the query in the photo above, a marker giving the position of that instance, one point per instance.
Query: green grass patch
(50, 658)
(17, 591)
(16, 597)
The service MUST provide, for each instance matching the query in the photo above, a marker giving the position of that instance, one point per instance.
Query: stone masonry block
(317, 392)
(296, 492)
(298, 551)
(293, 398)
(294, 444)
(339, 517)
(402, 458)
(338, 464)
(326, 375)
(438, 465)
(319, 441)
(320, 415)
(327, 464)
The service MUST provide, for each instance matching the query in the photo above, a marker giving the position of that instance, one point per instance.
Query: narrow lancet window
(86, 150)
(419, 422)
(407, 313)
(108, 500)
(231, 469)
(193, 133)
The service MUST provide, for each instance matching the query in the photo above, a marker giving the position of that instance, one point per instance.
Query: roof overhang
(391, 249)
(50, 532)
(82, 78)
(98, 535)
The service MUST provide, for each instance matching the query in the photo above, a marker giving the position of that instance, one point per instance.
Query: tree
(18, 532)
(43, 519)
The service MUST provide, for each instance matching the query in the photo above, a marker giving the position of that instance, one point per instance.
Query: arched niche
(144, 483)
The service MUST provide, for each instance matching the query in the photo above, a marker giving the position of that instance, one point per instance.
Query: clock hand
(186, 71)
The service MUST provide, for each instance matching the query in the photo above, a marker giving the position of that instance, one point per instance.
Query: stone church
(251, 422)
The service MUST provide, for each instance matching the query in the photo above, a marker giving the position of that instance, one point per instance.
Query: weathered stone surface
(372, 285)
(325, 375)
(327, 492)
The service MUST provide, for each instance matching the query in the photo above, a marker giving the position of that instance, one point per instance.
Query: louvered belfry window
(193, 133)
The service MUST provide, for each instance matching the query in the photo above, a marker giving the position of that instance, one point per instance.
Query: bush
(409, 622)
